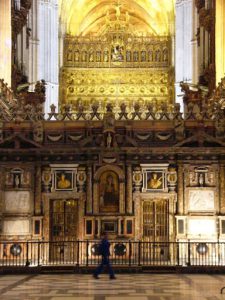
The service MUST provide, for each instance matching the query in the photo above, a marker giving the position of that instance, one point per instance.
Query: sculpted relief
(201, 200)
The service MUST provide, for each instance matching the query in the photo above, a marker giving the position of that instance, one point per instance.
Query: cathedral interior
(112, 119)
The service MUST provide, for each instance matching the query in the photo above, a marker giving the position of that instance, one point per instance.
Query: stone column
(5, 40)
(89, 193)
(129, 202)
(194, 45)
(183, 55)
(48, 60)
(180, 189)
(33, 45)
(220, 40)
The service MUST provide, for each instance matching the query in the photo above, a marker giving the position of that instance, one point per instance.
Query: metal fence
(123, 253)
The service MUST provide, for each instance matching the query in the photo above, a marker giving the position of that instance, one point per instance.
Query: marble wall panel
(16, 227)
(17, 202)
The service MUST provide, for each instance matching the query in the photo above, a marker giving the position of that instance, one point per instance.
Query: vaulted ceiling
(149, 17)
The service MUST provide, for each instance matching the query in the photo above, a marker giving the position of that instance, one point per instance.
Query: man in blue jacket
(104, 251)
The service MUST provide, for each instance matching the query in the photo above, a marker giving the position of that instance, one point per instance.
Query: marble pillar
(129, 200)
(89, 191)
(220, 40)
(5, 40)
(48, 66)
(37, 194)
(222, 188)
(180, 189)
(183, 42)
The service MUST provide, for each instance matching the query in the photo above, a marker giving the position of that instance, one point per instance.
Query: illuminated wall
(220, 40)
(155, 17)
(5, 40)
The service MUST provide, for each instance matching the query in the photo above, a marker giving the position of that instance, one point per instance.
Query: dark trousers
(105, 262)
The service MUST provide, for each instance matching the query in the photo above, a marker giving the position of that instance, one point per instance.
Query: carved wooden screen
(156, 220)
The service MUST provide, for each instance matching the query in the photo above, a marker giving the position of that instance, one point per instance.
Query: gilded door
(64, 221)
(155, 229)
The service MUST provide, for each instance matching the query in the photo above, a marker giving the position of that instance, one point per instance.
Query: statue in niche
(76, 56)
(201, 179)
(84, 56)
(158, 55)
(109, 192)
(143, 56)
(17, 180)
(109, 140)
(150, 55)
(91, 56)
(118, 13)
(127, 17)
(98, 56)
(128, 56)
(165, 55)
(70, 53)
(106, 56)
(136, 56)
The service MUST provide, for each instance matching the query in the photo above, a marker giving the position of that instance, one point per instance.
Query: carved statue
(109, 140)
(127, 17)
(118, 13)
(38, 134)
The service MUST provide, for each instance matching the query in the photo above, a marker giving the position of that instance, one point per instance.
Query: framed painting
(63, 180)
(155, 180)
(109, 192)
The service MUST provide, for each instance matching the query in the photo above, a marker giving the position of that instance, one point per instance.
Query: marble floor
(125, 287)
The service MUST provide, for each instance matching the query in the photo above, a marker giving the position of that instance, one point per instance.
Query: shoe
(112, 277)
(96, 276)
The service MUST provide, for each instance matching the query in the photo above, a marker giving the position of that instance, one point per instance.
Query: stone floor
(125, 287)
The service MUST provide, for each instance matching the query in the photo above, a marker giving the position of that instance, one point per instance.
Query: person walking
(104, 251)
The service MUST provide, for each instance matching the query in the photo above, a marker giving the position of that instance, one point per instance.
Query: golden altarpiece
(117, 65)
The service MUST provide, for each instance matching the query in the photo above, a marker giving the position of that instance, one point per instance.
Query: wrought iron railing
(123, 253)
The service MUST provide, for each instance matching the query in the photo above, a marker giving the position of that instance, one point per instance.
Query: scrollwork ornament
(46, 180)
(137, 179)
(81, 179)
(172, 179)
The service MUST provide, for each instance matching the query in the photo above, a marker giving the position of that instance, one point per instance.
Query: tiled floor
(125, 287)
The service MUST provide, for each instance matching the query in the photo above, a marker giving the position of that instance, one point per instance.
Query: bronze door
(155, 229)
(64, 221)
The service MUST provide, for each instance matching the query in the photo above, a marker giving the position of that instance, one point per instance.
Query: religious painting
(63, 180)
(155, 180)
(109, 192)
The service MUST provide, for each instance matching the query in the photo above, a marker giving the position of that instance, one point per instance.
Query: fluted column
(37, 191)
(5, 40)
(89, 191)
(222, 188)
(180, 188)
(129, 204)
